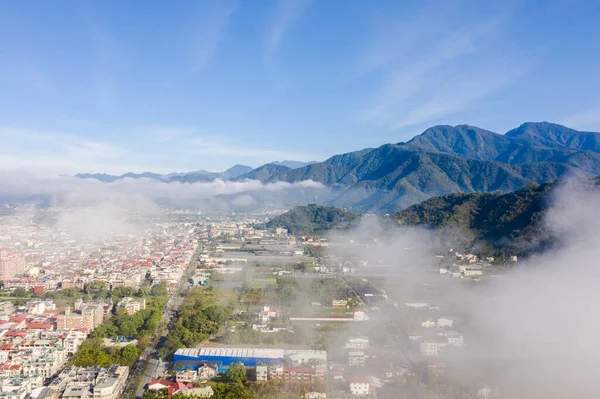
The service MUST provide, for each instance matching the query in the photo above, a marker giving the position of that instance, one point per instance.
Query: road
(149, 365)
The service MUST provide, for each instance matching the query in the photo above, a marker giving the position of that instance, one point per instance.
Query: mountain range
(445, 160)
(440, 161)
(191, 177)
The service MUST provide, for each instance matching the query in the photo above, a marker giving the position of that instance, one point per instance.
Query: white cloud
(288, 11)
(208, 31)
(175, 149)
(431, 70)
(142, 193)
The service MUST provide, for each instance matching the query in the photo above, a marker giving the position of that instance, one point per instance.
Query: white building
(199, 392)
(356, 358)
(455, 339)
(360, 386)
(429, 348)
(444, 322)
(315, 395)
(262, 372)
(357, 342)
(359, 315)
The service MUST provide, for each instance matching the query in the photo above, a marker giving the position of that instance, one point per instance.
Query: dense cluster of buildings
(39, 338)
(268, 364)
(87, 383)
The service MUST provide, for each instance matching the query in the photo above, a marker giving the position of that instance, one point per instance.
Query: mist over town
(299, 199)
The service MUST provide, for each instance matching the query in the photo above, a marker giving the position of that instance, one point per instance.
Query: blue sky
(187, 85)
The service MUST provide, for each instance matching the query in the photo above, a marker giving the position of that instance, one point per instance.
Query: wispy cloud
(288, 11)
(207, 32)
(178, 148)
(54, 152)
(433, 71)
(587, 119)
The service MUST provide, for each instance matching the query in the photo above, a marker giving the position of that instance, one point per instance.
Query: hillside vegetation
(314, 219)
(489, 223)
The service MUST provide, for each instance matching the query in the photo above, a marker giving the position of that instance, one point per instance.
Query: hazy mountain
(234, 171)
(264, 173)
(182, 177)
(98, 176)
(293, 164)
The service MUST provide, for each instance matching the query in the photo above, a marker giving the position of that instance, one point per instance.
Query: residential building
(315, 395)
(11, 265)
(262, 372)
(359, 386)
(357, 342)
(339, 303)
(199, 392)
(429, 348)
(455, 339)
(356, 358)
(186, 374)
(87, 316)
(132, 305)
(91, 382)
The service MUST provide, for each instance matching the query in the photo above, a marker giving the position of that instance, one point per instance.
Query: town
(194, 305)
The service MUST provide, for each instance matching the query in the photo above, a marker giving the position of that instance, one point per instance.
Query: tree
(155, 394)
(129, 354)
(105, 330)
(236, 372)
(94, 286)
(21, 293)
(159, 290)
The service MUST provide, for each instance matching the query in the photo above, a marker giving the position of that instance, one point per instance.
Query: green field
(262, 282)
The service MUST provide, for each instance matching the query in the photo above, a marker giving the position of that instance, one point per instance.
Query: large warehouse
(249, 356)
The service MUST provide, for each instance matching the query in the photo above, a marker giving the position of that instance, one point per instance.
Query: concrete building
(11, 265)
(429, 348)
(132, 305)
(356, 358)
(262, 372)
(91, 382)
(357, 342)
(250, 357)
(87, 316)
(359, 386)
(199, 392)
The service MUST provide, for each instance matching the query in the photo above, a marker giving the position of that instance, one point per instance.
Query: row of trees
(98, 290)
(200, 315)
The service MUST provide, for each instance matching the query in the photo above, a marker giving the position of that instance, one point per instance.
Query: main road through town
(149, 366)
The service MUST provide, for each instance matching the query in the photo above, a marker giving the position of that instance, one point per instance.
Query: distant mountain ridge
(293, 164)
(197, 176)
(450, 159)
(440, 161)
(185, 177)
